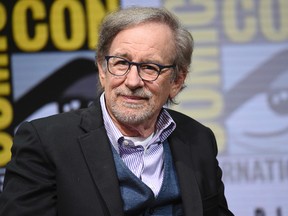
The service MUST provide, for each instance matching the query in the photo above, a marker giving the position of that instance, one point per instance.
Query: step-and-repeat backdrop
(238, 84)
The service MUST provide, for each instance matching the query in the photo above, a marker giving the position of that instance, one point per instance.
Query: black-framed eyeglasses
(119, 66)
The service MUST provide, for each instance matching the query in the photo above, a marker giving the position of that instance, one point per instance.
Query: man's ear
(177, 84)
(102, 73)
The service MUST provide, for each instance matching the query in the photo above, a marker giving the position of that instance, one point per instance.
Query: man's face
(129, 99)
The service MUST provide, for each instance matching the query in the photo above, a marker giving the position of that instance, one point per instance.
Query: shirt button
(126, 142)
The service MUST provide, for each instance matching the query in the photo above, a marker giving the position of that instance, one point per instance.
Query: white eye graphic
(72, 105)
(278, 95)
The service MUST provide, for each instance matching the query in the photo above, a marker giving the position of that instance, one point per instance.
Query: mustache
(139, 92)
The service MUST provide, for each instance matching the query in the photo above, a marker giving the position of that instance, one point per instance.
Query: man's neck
(139, 130)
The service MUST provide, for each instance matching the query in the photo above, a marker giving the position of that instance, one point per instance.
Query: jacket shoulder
(192, 131)
(58, 120)
(87, 118)
(185, 120)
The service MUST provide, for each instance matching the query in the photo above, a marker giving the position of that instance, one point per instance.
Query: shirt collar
(165, 125)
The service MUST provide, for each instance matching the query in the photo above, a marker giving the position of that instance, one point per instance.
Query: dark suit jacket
(63, 165)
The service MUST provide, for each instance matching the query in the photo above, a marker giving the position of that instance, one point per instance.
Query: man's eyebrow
(144, 60)
(123, 55)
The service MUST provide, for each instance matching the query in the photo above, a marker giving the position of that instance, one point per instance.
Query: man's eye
(149, 67)
(120, 62)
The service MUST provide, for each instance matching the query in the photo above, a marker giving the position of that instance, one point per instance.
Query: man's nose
(133, 80)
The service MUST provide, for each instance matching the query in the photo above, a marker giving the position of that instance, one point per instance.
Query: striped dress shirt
(144, 157)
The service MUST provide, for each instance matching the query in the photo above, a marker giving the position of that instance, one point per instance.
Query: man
(125, 154)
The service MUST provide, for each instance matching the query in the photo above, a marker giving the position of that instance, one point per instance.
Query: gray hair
(122, 19)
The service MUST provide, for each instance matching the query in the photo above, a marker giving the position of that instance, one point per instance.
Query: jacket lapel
(96, 149)
(190, 193)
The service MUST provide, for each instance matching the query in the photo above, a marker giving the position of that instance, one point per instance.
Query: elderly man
(126, 154)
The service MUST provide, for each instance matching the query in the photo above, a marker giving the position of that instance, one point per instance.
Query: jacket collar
(97, 151)
(91, 118)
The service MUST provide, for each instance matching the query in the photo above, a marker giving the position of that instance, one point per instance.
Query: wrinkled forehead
(150, 38)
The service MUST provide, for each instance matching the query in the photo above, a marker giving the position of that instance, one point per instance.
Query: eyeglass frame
(138, 64)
